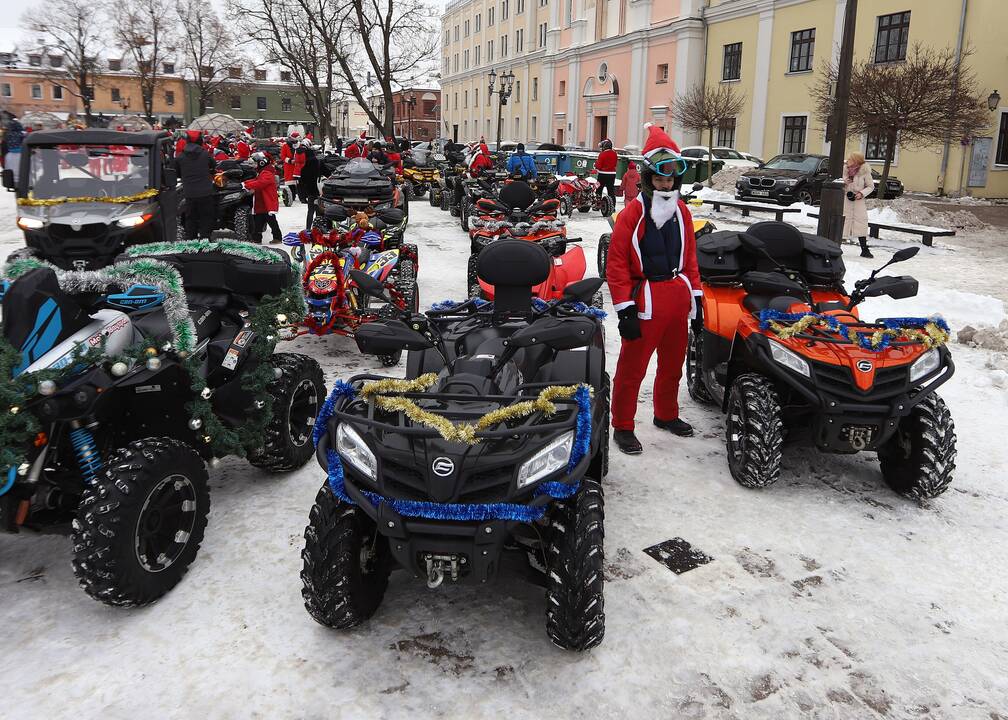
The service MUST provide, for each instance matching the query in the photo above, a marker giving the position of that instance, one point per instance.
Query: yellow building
(774, 50)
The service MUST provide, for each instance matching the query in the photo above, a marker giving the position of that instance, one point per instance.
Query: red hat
(362, 136)
(195, 136)
(658, 141)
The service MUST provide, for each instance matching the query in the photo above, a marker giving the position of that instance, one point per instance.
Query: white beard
(664, 209)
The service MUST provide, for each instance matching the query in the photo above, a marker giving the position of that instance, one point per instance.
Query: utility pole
(831, 219)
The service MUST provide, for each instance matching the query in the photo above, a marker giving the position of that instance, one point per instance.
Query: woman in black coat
(308, 183)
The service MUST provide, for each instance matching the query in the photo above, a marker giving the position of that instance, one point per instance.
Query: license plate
(761, 193)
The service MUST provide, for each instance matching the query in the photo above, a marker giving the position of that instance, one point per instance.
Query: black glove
(697, 322)
(629, 323)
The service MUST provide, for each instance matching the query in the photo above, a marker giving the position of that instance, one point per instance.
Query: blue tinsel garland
(458, 511)
(538, 305)
(864, 338)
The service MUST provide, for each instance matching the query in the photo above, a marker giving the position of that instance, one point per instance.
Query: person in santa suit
(243, 151)
(288, 150)
(605, 167)
(655, 286)
(355, 149)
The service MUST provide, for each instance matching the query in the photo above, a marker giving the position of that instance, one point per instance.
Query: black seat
(784, 243)
(513, 267)
(517, 194)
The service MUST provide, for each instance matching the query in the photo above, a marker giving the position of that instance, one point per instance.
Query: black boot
(865, 252)
(627, 442)
(677, 427)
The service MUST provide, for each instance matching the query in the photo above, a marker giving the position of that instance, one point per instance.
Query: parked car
(894, 188)
(785, 179)
(730, 156)
(747, 156)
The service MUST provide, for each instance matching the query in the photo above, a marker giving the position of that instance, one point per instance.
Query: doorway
(601, 128)
(560, 136)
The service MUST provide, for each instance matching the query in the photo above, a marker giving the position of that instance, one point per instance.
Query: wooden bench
(746, 208)
(927, 233)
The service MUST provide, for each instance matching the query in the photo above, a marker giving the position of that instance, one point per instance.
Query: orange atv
(518, 214)
(780, 346)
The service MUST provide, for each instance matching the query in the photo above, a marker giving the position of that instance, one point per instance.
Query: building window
(662, 73)
(891, 37)
(465, 30)
(169, 97)
(520, 7)
(236, 102)
(116, 96)
(478, 18)
(504, 46)
(234, 73)
(726, 133)
(519, 40)
(542, 35)
(475, 100)
(5, 90)
(456, 62)
(568, 11)
(285, 104)
(732, 67)
(505, 8)
(465, 59)
(55, 61)
(517, 128)
(206, 71)
(490, 16)
(35, 60)
(57, 92)
(465, 99)
(490, 49)
(802, 50)
(36, 92)
(517, 91)
(168, 68)
(534, 128)
(563, 88)
(260, 103)
(456, 102)
(209, 101)
(794, 133)
(479, 49)
(285, 76)
(535, 89)
(876, 146)
(447, 37)
(115, 65)
(260, 74)
(456, 33)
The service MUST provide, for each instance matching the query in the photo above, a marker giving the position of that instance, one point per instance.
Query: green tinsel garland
(227, 247)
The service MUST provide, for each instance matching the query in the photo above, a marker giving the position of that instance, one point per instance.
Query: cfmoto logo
(864, 365)
(443, 467)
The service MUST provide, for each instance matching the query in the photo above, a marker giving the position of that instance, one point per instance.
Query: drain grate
(678, 555)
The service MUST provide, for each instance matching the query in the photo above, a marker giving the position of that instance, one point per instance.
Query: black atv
(528, 493)
(234, 202)
(119, 459)
(85, 195)
(361, 186)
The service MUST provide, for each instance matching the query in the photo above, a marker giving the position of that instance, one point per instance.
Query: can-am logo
(443, 467)
(864, 365)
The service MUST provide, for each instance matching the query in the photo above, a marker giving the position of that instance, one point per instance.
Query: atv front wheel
(472, 278)
(599, 467)
(464, 215)
(406, 285)
(346, 563)
(445, 204)
(603, 253)
(566, 205)
(242, 223)
(608, 205)
(694, 370)
(287, 195)
(575, 607)
(754, 432)
(141, 522)
(919, 459)
(295, 398)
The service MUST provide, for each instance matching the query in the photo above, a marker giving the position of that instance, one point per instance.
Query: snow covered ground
(828, 596)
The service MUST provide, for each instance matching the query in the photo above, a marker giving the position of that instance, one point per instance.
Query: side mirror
(697, 187)
(388, 337)
(8, 179)
(583, 290)
(556, 334)
(369, 285)
(904, 254)
(897, 287)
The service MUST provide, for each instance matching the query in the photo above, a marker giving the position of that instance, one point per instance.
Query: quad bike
(336, 304)
(360, 185)
(524, 491)
(840, 383)
(701, 227)
(234, 202)
(582, 193)
(485, 185)
(417, 180)
(517, 214)
(119, 457)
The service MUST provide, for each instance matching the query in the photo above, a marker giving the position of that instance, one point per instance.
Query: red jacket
(353, 150)
(242, 150)
(180, 145)
(299, 162)
(287, 158)
(480, 163)
(265, 198)
(624, 269)
(395, 157)
(629, 183)
(606, 161)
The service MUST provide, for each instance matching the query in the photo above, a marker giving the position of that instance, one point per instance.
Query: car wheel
(806, 197)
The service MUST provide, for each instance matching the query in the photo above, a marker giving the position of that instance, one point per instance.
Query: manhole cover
(678, 555)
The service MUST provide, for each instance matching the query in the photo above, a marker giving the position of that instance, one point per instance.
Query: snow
(828, 595)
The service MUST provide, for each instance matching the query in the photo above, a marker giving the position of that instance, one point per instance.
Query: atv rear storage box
(360, 181)
(721, 257)
(230, 273)
(824, 263)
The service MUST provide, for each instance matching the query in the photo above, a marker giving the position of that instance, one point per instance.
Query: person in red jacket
(287, 152)
(630, 184)
(605, 166)
(265, 202)
(243, 151)
(654, 282)
(355, 149)
(481, 161)
(393, 155)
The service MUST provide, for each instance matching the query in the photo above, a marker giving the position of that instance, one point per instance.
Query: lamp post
(346, 120)
(411, 105)
(503, 93)
(993, 101)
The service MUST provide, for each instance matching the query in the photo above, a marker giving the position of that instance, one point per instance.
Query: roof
(96, 136)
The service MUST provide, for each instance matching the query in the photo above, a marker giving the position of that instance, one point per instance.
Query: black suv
(795, 177)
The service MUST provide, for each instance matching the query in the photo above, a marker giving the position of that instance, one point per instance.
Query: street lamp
(346, 121)
(503, 93)
(993, 101)
(411, 105)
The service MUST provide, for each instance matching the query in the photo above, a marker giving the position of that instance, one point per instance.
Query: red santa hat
(659, 141)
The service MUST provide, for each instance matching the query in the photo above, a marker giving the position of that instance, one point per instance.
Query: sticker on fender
(231, 359)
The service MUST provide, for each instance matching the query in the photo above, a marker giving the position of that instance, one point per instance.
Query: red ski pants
(666, 332)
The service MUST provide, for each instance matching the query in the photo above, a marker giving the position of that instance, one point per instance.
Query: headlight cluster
(925, 364)
(133, 220)
(788, 182)
(790, 360)
(354, 450)
(547, 461)
(30, 223)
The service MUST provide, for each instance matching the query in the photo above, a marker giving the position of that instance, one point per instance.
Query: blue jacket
(522, 163)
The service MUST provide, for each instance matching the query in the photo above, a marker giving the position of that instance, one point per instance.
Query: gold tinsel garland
(462, 432)
(931, 335)
(124, 199)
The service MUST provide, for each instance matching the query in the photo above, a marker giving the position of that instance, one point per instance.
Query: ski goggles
(671, 167)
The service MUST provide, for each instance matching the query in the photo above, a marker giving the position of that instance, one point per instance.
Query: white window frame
(6, 90)
(1001, 111)
(34, 95)
(54, 89)
(879, 162)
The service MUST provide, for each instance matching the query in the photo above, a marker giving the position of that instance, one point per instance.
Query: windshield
(89, 171)
(801, 163)
(726, 154)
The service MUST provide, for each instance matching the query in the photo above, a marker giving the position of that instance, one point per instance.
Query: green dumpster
(582, 162)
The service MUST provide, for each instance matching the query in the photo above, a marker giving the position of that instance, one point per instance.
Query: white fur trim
(623, 305)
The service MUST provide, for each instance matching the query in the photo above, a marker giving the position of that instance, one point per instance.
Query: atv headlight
(547, 461)
(355, 451)
(789, 359)
(133, 220)
(231, 197)
(30, 223)
(925, 364)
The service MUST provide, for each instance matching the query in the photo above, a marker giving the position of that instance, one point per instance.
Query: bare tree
(701, 108)
(71, 30)
(209, 51)
(913, 103)
(144, 29)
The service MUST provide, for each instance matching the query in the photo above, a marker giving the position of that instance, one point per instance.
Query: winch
(439, 565)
